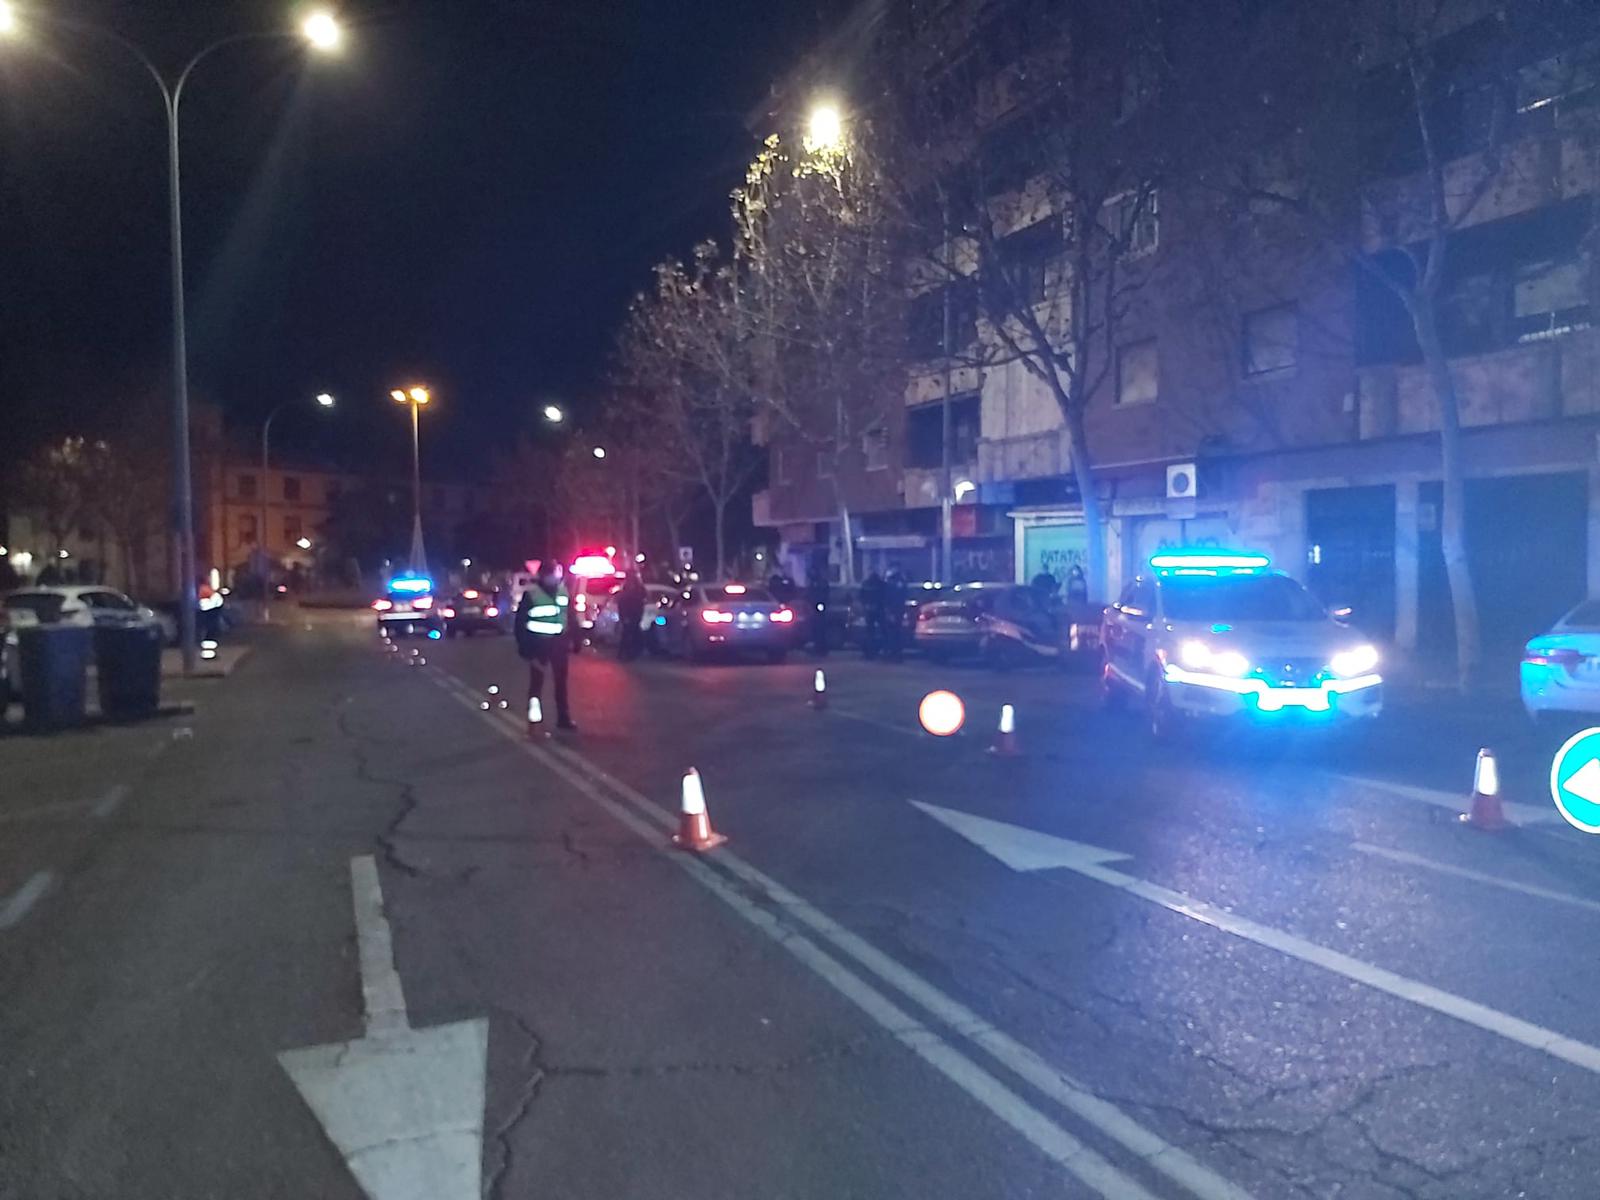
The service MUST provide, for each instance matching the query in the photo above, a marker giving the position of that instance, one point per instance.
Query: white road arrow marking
(403, 1106)
(1584, 783)
(1002, 840)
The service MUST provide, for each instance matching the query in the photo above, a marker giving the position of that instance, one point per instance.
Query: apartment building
(1263, 388)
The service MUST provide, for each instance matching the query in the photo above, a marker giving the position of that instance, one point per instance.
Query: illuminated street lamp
(304, 543)
(414, 398)
(322, 32)
(598, 452)
(553, 414)
(824, 129)
(324, 400)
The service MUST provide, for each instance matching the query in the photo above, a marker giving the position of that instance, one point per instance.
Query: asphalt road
(1266, 966)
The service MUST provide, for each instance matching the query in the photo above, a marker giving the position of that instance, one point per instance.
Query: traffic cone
(694, 823)
(535, 718)
(1005, 739)
(1485, 813)
(819, 691)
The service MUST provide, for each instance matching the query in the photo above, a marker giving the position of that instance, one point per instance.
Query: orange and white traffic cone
(1005, 738)
(694, 823)
(819, 691)
(1485, 813)
(535, 719)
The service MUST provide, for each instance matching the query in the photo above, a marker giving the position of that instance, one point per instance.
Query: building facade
(1264, 391)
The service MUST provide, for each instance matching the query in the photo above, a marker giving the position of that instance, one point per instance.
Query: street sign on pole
(1575, 780)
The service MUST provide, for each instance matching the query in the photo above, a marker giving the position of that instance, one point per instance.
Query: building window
(1026, 259)
(1138, 373)
(1135, 222)
(291, 489)
(925, 432)
(1548, 298)
(875, 449)
(247, 528)
(1271, 340)
(1561, 86)
(291, 529)
(926, 320)
(781, 466)
(246, 487)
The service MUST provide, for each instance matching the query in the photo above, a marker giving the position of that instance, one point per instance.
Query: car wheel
(1166, 723)
(1112, 695)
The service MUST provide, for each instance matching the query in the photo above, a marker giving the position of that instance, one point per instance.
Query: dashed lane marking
(24, 898)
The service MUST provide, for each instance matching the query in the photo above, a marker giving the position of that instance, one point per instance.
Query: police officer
(872, 598)
(630, 613)
(544, 637)
(894, 604)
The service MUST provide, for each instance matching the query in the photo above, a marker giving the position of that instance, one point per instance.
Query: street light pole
(415, 398)
(322, 31)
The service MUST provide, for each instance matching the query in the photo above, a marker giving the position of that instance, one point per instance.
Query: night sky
(467, 195)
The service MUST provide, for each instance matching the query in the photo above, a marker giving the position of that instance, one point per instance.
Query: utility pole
(946, 567)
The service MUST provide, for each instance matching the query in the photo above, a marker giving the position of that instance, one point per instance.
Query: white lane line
(640, 815)
(381, 995)
(24, 898)
(1516, 814)
(1510, 885)
(111, 801)
(905, 730)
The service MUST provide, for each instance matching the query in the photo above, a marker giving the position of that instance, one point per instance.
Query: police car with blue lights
(1213, 633)
(407, 609)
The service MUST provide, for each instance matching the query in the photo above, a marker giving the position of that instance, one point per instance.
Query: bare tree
(819, 299)
(1386, 128)
(689, 404)
(56, 483)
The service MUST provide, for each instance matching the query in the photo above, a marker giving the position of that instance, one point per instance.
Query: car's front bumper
(1197, 693)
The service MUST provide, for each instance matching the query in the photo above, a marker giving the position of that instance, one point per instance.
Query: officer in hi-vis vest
(543, 639)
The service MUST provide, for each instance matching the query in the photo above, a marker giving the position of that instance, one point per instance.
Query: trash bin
(129, 662)
(54, 660)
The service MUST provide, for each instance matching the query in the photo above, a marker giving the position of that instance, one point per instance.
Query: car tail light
(715, 616)
(469, 594)
(383, 605)
(491, 611)
(447, 612)
(783, 616)
(422, 602)
(1553, 656)
(581, 602)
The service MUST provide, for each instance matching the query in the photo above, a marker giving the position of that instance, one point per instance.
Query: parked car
(1004, 624)
(76, 604)
(607, 629)
(471, 610)
(1561, 667)
(735, 617)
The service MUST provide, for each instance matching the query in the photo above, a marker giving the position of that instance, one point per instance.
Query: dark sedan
(730, 617)
(470, 610)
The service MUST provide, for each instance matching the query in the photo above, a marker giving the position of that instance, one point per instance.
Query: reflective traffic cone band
(1005, 739)
(694, 823)
(819, 690)
(1485, 813)
(535, 716)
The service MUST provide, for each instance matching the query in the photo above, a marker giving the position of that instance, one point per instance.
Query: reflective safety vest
(544, 615)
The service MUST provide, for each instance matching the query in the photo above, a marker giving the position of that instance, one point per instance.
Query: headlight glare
(1357, 660)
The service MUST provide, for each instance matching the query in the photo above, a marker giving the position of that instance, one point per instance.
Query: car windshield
(1585, 616)
(1237, 598)
(737, 594)
(45, 606)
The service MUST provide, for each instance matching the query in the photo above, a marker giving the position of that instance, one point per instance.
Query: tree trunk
(1452, 517)
(847, 575)
(1094, 567)
(719, 511)
(670, 515)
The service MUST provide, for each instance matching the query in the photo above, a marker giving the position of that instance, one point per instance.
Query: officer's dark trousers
(553, 658)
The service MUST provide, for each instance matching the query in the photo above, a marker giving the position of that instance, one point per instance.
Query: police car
(1210, 633)
(407, 608)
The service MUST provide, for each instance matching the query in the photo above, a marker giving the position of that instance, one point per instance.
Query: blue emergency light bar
(1209, 559)
(411, 583)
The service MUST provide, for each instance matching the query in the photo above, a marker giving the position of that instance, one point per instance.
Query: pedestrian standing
(817, 602)
(873, 638)
(630, 617)
(894, 604)
(544, 640)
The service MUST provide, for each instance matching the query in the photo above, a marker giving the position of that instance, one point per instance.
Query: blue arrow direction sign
(1575, 780)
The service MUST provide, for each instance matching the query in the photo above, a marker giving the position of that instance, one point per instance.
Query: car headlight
(1198, 656)
(1357, 660)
